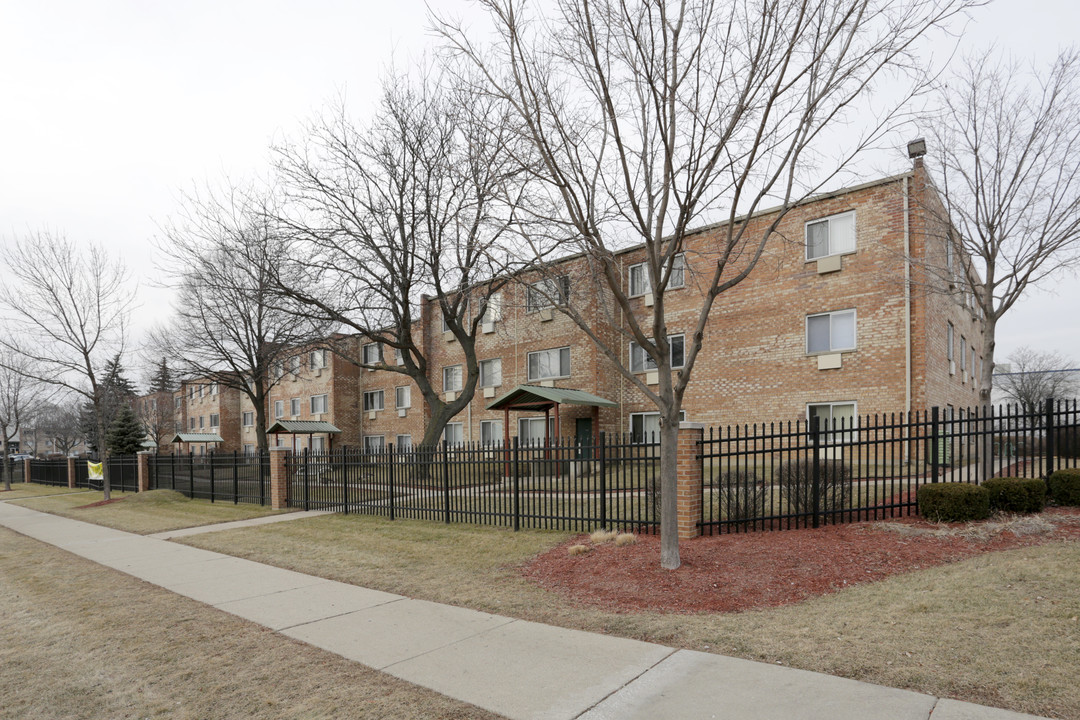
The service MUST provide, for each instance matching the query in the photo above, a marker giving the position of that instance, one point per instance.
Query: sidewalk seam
(509, 621)
(626, 684)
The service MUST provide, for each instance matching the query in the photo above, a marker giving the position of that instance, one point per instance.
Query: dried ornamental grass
(603, 536)
(578, 550)
(625, 539)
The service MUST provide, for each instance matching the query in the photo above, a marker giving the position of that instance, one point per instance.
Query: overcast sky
(109, 109)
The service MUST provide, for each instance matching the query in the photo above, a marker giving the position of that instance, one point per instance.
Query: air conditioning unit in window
(952, 367)
(402, 412)
(487, 328)
(829, 264)
(450, 397)
(546, 314)
(489, 392)
(648, 299)
(371, 415)
(652, 378)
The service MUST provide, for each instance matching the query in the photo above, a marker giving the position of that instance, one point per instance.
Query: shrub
(603, 536)
(1067, 441)
(1016, 495)
(797, 483)
(1065, 486)
(953, 502)
(625, 539)
(578, 550)
(740, 494)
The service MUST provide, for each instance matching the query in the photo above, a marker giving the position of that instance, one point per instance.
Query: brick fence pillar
(689, 479)
(144, 469)
(26, 470)
(279, 478)
(71, 472)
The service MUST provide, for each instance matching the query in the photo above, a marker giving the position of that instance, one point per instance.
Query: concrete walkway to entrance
(512, 667)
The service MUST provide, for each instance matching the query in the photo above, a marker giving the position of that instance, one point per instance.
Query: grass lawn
(148, 512)
(80, 641)
(25, 490)
(999, 629)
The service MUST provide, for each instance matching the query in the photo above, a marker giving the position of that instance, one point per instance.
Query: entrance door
(583, 437)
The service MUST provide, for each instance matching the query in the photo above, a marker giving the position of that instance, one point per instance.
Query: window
(249, 449)
(678, 272)
(547, 364)
(641, 361)
(403, 396)
(832, 417)
(547, 293)
(191, 423)
(373, 400)
(639, 276)
(248, 418)
(374, 443)
(202, 420)
(451, 378)
(830, 236)
(294, 365)
(949, 255)
(215, 420)
(445, 325)
(645, 427)
(191, 392)
(318, 443)
(371, 354)
(949, 346)
(491, 432)
(830, 332)
(294, 407)
(404, 442)
(279, 409)
(279, 369)
(318, 359)
(531, 430)
(213, 388)
(177, 401)
(491, 373)
(493, 311)
(318, 404)
(399, 358)
(453, 434)
(972, 363)
(963, 358)
(200, 391)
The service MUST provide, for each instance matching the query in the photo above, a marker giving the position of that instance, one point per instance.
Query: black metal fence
(217, 477)
(563, 485)
(49, 472)
(792, 475)
(18, 469)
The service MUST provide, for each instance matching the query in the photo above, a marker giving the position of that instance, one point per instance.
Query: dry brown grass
(578, 550)
(25, 490)
(996, 629)
(81, 641)
(600, 537)
(625, 539)
(144, 513)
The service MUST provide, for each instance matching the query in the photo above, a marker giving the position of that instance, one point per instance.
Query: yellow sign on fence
(95, 471)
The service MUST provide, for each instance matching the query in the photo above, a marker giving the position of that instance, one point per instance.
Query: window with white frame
(493, 311)
(963, 358)
(213, 389)
(248, 418)
(399, 357)
(645, 426)
(278, 369)
(202, 421)
(837, 419)
(249, 449)
(547, 293)
(294, 407)
(641, 361)
(371, 353)
(191, 423)
(972, 363)
(177, 402)
(531, 430)
(215, 420)
(549, 364)
(191, 392)
(374, 443)
(200, 391)
(833, 235)
(830, 332)
(638, 276)
(491, 373)
(318, 359)
(318, 443)
(294, 365)
(373, 400)
(454, 433)
(318, 404)
(949, 345)
(451, 378)
(403, 396)
(279, 409)
(404, 442)
(491, 432)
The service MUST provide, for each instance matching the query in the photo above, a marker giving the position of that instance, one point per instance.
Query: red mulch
(99, 503)
(731, 573)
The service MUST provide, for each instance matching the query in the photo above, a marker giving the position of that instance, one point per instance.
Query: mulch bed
(99, 503)
(731, 573)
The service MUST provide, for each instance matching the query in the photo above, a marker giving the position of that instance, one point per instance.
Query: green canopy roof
(535, 397)
(196, 438)
(301, 427)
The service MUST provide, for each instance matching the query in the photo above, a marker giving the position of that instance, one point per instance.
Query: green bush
(796, 480)
(741, 495)
(1016, 495)
(1067, 441)
(1065, 486)
(953, 502)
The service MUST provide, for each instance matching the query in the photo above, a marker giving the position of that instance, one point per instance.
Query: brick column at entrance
(689, 479)
(26, 470)
(71, 472)
(144, 470)
(279, 478)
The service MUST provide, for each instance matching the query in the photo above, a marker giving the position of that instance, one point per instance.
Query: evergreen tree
(126, 433)
(162, 380)
(117, 393)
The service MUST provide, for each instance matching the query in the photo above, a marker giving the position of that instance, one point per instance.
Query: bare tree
(61, 423)
(157, 415)
(1034, 377)
(413, 204)
(649, 119)
(19, 394)
(1006, 151)
(229, 326)
(69, 311)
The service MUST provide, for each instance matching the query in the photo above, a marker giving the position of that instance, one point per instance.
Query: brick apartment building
(825, 325)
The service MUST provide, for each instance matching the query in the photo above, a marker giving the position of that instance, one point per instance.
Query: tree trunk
(986, 387)
(669, 505)
(6, 462)
(260, 422)
(99, 416)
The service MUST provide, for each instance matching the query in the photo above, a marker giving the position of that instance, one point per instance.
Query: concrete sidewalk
(512, 667)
